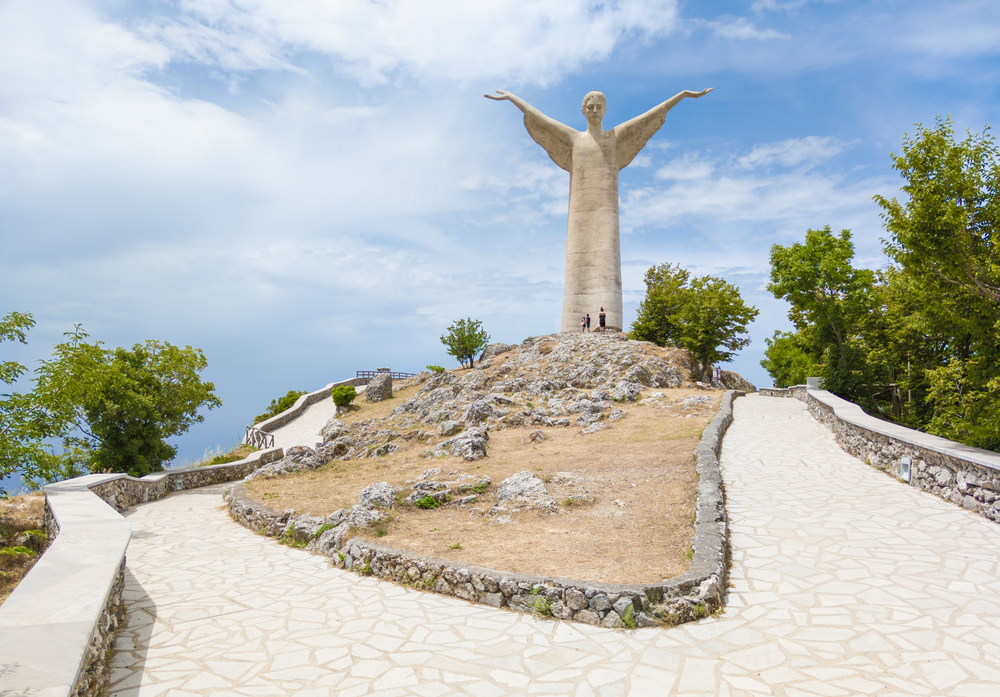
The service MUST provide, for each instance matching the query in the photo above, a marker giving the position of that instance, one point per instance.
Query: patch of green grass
(271, 495)
(323, 528)
(428, 502)
(539, 603)
(457, 545)
(480, 487)
(381, 532)
(568, 502)
(629, 619)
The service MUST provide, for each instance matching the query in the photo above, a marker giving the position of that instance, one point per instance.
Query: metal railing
(373, 373)
(258, 438)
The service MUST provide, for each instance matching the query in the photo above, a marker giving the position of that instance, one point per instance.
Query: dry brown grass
(18, 514)
(639, 470)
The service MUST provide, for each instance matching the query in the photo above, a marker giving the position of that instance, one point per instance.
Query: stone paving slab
(845, 582)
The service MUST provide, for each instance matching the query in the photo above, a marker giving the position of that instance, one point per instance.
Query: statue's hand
(695, 95)
(503, 96)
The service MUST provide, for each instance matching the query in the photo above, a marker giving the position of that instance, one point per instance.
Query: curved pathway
(304, 430)
(844, 582)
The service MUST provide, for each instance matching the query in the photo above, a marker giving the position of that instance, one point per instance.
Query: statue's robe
(593, 255)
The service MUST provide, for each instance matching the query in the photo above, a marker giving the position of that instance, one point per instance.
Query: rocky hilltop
(568, 380)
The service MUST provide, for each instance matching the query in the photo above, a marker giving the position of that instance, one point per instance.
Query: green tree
(465, 339)
(790, 358)
(712, 322)
(279, 405)
(22, 423)
(113, 410)
(945, 239)
(946, 232)
(706, 315)
(665, 296)
(828, 295)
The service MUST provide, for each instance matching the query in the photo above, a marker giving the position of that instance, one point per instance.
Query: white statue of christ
(593, 158)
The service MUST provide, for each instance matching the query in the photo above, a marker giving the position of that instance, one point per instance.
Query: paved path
(845, 582)
(305, 429)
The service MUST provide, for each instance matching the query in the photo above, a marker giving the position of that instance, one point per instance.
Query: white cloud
(450, 39)
(953, 29)
(792, 152)
(743, 30)
(685, 168)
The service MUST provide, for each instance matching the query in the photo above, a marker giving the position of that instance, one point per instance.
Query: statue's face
(594, 107)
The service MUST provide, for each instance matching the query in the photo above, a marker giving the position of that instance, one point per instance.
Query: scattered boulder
(379, 388)
(449, 428)
(470, 445)
(494, 350)
(521, 484)
(332, 430)
(626, 391)
(377, 495)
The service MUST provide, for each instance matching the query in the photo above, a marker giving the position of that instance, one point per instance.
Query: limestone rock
(332, 430)
(626, 391)
(449, 428)
(379, 388)
(520, 484)
(470, 445)
(377, 495)
(494, 350)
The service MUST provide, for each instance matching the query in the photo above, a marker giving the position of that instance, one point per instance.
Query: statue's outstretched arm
(633, 135)
(556, 138)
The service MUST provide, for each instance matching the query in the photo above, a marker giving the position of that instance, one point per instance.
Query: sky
(307, 188)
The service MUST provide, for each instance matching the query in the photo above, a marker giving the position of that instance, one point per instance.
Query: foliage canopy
(706, 315)
(917, 342)
(111, 410)
(465, 339)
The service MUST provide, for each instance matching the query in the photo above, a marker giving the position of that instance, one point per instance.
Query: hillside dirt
(18, 515)
(609, 425)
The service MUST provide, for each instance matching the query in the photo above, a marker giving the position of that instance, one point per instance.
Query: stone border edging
(57, 626)
(961, 474)
(303, 403)
(692, 595)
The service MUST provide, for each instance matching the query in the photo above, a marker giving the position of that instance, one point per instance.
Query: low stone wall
(692, 595)
(961, 474)
(303, 403)
(58, 625)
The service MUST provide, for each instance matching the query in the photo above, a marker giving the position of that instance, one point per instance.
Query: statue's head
(594, 106)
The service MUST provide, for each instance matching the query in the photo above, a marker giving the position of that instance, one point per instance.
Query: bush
(279, 405)
(428, 502)
(435, 369)
(343, 395)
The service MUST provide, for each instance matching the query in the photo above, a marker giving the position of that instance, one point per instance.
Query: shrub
(428, 502)
(435, 369)
(343, 395)
(279, 405)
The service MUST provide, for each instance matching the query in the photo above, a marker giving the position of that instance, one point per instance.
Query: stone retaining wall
(303, 403)
(58, 625)
(961, 474)
(692, 595)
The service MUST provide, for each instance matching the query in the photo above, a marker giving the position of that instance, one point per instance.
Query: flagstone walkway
(845, 582)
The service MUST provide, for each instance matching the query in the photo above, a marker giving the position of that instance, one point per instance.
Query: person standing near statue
(588, 321)
(602, 318)
(593, 158)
